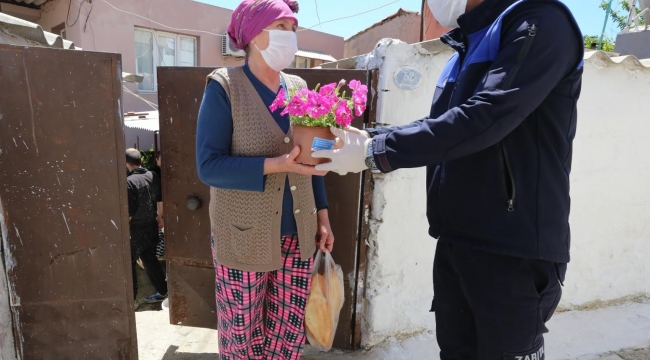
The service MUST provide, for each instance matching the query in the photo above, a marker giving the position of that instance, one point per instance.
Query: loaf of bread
(321, 317)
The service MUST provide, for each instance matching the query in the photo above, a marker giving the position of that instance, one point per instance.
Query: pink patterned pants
(261, 315)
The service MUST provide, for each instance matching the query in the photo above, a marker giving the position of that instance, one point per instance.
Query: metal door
(187, 224)
(63, 204)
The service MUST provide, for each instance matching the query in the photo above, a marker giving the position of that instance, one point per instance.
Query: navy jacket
(498, 141)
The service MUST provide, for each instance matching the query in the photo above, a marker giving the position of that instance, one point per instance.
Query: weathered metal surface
(187, 232)
(364, 218)
(180, 91)
(63, 203)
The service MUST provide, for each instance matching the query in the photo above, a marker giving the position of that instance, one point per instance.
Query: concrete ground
(614, 333)
(145, 289)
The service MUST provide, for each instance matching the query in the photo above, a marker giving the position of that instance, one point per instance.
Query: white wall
(7, 350)
(610, 185)
(399, 279)
(131, 136)
(610, 191)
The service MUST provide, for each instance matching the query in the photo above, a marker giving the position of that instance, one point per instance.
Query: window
(154, 48)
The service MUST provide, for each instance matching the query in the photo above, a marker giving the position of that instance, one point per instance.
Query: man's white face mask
(447, 12)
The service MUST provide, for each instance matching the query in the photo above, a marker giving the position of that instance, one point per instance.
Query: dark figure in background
(160, 248)
(145, 194)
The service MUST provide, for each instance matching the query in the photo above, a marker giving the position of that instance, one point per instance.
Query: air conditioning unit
(229, 49)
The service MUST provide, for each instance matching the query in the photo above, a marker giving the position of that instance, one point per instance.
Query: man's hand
(324, 237)
(351, 157)
(352, 129)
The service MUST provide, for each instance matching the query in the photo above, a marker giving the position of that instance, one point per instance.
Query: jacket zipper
(532, 32)
(512, 191)
(461, 59)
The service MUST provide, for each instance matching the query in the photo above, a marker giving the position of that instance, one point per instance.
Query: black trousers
(490, 306)
(143, 246)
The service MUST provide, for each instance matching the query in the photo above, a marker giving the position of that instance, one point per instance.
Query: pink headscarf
(252, 16)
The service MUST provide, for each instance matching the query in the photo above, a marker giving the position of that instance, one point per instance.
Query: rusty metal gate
(63, 212)
(187, 224)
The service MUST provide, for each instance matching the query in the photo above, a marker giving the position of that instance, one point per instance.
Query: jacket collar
(483, 15)
(477, 19)
(140, 170)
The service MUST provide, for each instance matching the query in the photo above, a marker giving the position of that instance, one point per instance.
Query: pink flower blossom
(327, 90)
(279, 101)
(325, 107)
(356, 85)
(319, 105)
(359, 99)
(359, 96)
(359, 109)
(298, 104)
(343, 114)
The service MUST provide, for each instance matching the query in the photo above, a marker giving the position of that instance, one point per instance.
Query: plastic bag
(325, 302)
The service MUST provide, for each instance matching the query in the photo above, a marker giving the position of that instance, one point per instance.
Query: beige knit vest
(246, 224)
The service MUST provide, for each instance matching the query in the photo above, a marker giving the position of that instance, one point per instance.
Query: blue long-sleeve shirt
(218, 168)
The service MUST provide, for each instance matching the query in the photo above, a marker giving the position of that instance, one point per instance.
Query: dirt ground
(627, 327)
(157, 340)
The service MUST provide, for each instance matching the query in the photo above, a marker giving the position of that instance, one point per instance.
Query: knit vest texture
(246, 224)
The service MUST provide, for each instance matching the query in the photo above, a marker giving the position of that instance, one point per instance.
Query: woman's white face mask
(447, 12)
(282, 49)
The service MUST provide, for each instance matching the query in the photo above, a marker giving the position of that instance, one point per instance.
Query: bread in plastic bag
(325, 302)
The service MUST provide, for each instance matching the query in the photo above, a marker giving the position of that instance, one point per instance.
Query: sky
(589, 16)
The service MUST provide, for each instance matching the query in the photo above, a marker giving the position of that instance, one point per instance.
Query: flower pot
(309, 139)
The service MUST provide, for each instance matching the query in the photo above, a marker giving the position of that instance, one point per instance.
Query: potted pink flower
(314, 112)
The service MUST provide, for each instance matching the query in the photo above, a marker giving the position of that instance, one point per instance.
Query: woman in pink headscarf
(268, 213)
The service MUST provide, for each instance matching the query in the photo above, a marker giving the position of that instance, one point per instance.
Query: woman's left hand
(324, 237)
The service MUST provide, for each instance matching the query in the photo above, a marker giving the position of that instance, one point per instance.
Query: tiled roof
(315, 55)
(20, 32)
(143, 120)
(32, 2)
(434, 47)
(600, 58)
(400, 12)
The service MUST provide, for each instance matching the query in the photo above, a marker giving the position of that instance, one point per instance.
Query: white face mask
(282, 49)
(447, 12)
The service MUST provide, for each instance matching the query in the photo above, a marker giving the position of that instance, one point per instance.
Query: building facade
(432, 29)
(149, 34)
(404, 25)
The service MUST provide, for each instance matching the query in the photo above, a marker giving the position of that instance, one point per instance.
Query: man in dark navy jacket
(497, 146)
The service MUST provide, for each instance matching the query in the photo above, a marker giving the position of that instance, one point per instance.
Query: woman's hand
(324, 237)
(287, 163)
